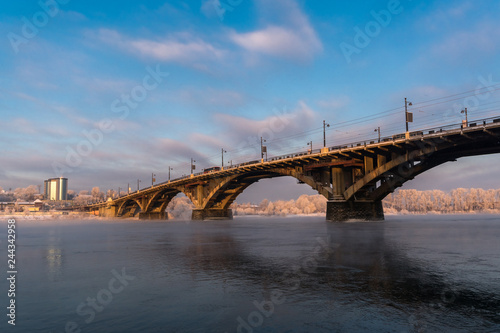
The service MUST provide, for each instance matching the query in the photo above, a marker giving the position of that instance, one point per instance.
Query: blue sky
(106, 94)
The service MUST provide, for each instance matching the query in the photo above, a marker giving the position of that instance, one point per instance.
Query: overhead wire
(426, 120)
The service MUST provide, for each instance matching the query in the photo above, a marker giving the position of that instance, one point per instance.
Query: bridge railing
(417, 133)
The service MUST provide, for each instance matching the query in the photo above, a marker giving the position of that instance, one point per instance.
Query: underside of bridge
(353, 179)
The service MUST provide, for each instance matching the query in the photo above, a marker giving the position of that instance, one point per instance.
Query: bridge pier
(342, 210)
(212, 214)
(107, 211)
(153, 216)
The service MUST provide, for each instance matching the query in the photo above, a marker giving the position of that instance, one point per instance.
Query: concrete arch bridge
(354, 178)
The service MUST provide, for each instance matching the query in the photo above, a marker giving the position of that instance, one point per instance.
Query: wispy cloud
(72, 15)
(208, 142)
(241, 126)
(483, 38)
(295, 39)
(181, 48)
(244, 133)
(445, 15)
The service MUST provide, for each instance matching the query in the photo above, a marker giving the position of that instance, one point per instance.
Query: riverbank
(47, 215)
(87, 216)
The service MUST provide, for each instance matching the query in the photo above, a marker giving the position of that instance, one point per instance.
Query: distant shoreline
(80, 215)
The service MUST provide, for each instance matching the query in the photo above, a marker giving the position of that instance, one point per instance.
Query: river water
(253, 274)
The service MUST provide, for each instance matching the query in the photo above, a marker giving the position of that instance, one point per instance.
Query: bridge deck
(347, 153)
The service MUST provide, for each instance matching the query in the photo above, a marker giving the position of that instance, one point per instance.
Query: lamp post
(128, 188)
(466, 119)
(408, 115)
(222, 155)
(310, 143)
(153, 179)
(138, 181)
(193, 167)
(324, 133)
(119, 190)
(378, 130)
(169, 168)
(263, 149)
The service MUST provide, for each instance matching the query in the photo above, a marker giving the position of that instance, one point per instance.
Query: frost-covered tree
(96, 193)
(26, 194)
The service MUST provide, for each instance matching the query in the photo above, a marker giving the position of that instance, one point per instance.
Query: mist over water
(296, 274)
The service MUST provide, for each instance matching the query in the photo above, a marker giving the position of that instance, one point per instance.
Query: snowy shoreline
(85, 216)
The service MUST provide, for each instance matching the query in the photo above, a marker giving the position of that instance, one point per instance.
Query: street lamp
(193, 167)
(324, 133)
(128, 188)
(222, 153)
(153, 179)
(408, 115)
(466, 120)
(310, 143)
(138, 181)
(263, 149)
(378, 130)
(169, 168)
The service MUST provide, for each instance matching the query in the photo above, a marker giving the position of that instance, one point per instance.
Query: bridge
(354, 178)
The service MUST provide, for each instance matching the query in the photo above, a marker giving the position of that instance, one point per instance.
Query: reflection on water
(423, 274)
(53, 256)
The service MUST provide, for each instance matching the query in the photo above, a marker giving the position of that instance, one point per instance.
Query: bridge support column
(153, 216)
(212, 214)
(108, 211)
(338, 182)
(341, 210)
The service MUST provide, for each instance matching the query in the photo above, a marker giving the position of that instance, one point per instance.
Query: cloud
(72, 16)
(73, 115)
(181, 47)
(484, 38)
(180, 152)
(33, 128)
(23, 125)
(276, 123)
(206, 141)
(109, 86)
(440, 17)
(209, 8)
(295, 39)
(243, 134)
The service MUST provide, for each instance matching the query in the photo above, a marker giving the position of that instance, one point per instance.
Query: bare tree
(71, 194)
(110, 193)
(26, 194)
(96, 193)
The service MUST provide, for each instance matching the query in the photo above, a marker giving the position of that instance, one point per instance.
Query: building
(24, 206)
(56, 189)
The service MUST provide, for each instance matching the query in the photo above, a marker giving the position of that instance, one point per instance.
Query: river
(433, 273)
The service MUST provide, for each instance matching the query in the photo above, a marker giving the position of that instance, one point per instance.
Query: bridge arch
(161, 199)
(224, 194)
(130, 207)
(155, 206)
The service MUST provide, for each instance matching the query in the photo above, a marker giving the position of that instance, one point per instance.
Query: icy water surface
(296, 274)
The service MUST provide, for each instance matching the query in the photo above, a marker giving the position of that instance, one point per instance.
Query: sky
(107, 94)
